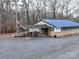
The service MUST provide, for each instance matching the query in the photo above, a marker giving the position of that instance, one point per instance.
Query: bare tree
(26, 4)
(53, 4)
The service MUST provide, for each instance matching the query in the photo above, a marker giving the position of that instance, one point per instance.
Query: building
(57, 27)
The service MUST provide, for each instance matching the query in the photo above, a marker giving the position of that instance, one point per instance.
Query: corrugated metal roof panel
(61, 22)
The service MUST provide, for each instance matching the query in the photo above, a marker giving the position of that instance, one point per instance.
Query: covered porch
(46, 28)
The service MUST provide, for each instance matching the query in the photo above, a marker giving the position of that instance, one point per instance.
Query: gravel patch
(22, 48)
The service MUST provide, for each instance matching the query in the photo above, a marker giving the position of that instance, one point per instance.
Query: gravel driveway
(21, 48)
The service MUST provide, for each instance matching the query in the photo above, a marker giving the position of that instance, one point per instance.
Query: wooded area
(31, 11)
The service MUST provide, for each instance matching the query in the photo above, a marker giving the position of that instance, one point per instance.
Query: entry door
(45, 31)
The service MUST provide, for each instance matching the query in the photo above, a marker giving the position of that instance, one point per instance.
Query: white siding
(57, 29)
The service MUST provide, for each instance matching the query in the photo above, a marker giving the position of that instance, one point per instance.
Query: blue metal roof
(61, 22)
